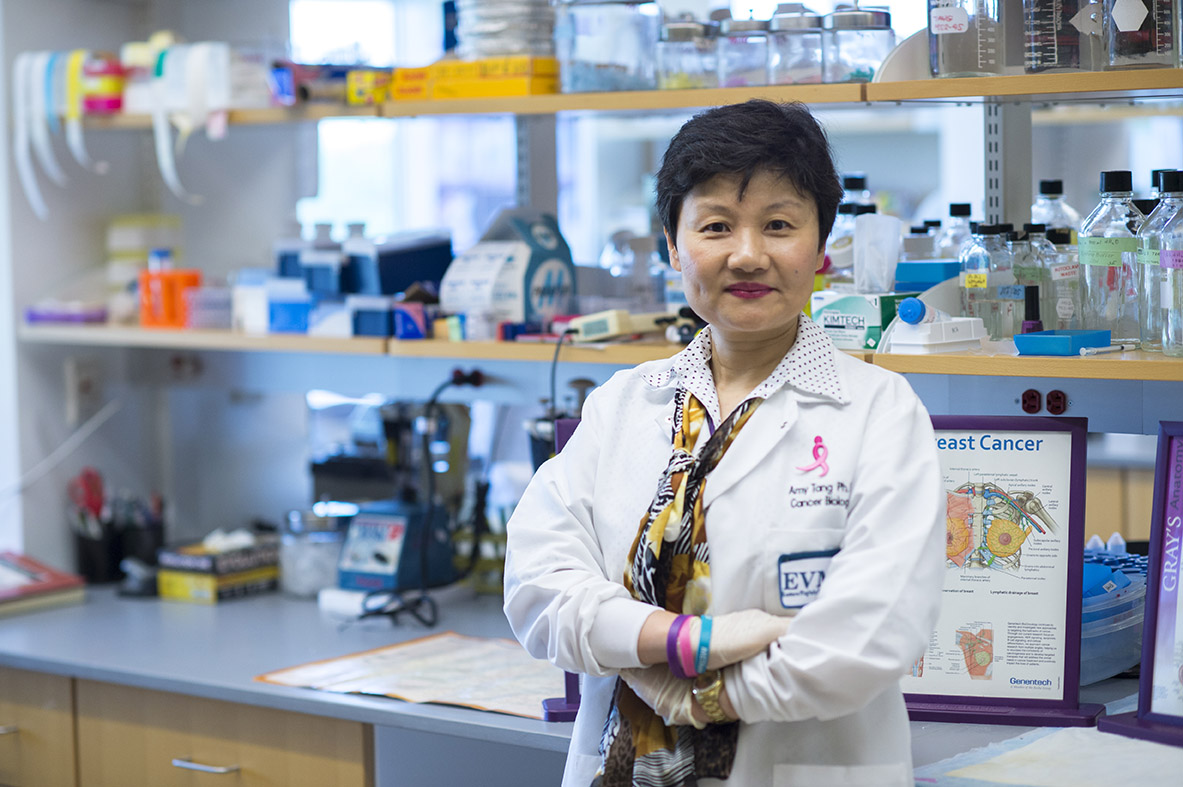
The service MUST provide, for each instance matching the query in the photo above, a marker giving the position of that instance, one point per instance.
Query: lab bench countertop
(216, 651)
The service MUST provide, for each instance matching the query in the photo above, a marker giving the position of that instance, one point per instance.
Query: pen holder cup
(142, 543)
(98, 558)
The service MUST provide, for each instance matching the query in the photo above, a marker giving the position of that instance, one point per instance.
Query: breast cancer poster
(1001, 629)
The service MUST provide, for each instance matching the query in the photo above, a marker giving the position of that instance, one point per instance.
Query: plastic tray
(1059, 342)
(1107, 649)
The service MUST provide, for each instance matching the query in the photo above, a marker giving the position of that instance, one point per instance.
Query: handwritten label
(1065, 272)
(1148, 256)
(1171, 258)
(1105, 251)
(976, 280)
(943, 21)
(1011, 292)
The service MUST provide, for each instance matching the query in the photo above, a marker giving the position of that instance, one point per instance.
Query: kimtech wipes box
(855, 320)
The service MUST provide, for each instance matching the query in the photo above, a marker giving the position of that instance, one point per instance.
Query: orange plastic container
(162, 299)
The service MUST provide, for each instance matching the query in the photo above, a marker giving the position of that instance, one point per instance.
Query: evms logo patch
(801, 576)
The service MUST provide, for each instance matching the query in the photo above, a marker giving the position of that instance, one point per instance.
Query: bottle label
(1011, 292)
(1028, 274)
(1105, 251)
(942, 21)
(1066, 271)
(974, 281)
(1171, 258)
(1148, 256)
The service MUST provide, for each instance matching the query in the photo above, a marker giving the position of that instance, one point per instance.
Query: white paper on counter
(448, 668)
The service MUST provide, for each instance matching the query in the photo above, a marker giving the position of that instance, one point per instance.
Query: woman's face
(747, 265)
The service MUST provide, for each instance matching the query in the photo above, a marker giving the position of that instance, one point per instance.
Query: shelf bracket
(1007, 127)
(538, 180)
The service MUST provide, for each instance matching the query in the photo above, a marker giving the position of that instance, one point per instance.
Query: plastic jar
(309, 549)
(854, 44)
(607, 45)
(742, 51)
(795, 49)
(686, 56)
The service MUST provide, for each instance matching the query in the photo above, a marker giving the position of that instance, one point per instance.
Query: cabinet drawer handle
(8, 729)
(189, 765)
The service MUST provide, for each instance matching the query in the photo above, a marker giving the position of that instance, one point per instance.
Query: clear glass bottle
(1007, 294)
(964, 38)
(917, 244)
(854, 44)
(840, 245)
(954, 233)
(742, 52)
(1058, 37)
(1108, 246)
(1061, 308)
(795, 49)
(1041, 253)
(1051, 210)
(686, 56)
(1140, 34)
(1171, 261)
(975, 279)
(1155, 186)
(854, 189)
(1150, 293)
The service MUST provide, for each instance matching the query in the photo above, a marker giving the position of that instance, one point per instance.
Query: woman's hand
(736, 636)
(669, 697)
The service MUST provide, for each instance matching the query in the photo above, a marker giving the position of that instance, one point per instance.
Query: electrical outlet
(84, 389)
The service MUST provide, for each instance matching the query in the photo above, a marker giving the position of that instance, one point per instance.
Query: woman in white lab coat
(740, 546)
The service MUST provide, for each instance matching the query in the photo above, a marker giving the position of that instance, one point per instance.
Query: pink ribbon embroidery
(820, 452)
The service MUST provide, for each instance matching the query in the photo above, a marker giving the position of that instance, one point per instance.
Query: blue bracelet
(703, 654)
(671, 647)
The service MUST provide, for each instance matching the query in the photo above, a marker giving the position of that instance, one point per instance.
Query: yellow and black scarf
(669, 566)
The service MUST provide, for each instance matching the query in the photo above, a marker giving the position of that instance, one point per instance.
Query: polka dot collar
(809, 366)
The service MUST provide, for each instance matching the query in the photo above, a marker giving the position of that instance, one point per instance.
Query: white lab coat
(823, 705)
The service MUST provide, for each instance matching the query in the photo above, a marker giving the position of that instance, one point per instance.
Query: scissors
(86, 491)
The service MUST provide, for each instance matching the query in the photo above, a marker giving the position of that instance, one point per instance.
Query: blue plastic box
(1059, 342)
(919, 275)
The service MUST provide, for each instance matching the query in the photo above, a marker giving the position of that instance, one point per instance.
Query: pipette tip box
(1065, 342)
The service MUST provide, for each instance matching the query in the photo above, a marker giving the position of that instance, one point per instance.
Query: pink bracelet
(686, 651)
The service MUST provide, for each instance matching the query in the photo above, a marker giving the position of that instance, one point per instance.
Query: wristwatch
(706, 690)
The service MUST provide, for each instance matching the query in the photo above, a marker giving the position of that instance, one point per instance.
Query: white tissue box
(855, 320)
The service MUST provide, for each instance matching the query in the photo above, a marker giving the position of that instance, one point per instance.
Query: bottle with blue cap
(916, 312)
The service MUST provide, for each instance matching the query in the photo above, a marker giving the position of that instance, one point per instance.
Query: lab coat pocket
(794, 567)
(894, 774)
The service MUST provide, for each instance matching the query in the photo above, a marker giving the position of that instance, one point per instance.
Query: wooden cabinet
(37, 722)
(130, 737)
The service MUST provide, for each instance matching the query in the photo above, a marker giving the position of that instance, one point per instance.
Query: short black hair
(743, 139)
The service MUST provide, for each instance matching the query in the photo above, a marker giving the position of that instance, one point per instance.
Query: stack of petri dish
(490, 28)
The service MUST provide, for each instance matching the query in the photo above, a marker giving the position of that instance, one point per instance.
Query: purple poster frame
(1067, 710)
(564, 708)
(1162, 596)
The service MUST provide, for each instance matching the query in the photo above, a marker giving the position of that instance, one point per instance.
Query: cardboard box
(411, 84)
(368, 86)
(190, 572)
(494, 88)
(852, 320)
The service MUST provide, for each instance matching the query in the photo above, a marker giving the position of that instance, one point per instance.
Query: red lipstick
(747, 289)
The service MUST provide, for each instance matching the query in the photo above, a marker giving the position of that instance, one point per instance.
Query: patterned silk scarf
(669, 566)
